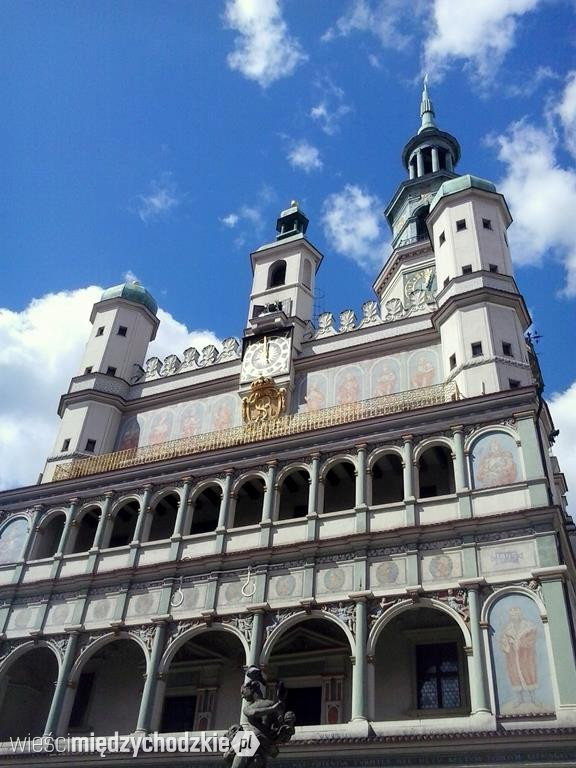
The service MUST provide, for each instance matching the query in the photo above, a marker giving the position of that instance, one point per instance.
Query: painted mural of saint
(387, 381)
(517, 642)
(423, 373)
(189, 422)
(314, 398)
(348, 391)
(222, 418)
(160, 428)
(130, 435)
(496, 466)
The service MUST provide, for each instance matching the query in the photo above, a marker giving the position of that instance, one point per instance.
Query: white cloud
(542, 195)
(264, 50)
(305, 156)
(478, 33)
(40, 350)
(563, 409)
(230, 220)
(566, 112)
(161, 201)
(331, 108)
(382, 19)
(351, 220)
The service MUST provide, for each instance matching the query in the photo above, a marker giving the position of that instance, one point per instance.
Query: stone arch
(28, 676)
(292, 492)
(478, 433)
(338, 480)
(500, 463)
(298, 618)
(163, 513)
(85, 526)
(407, 605)
(277, 274)
(48, 534)
(189, 634)
(121, 531)
(511, 590)
(110, 637)
(377, 454)
(434, 461)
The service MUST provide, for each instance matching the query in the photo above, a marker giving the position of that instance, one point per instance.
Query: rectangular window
(66, 444)
(100, 331)
(513, 383)
(88, 370)
(467, 269)
(460, 225)
(452, 361)
(122, 330)
(486, 223)
(493, 267)
(507, 348)
(110, 371)
(505, 238)
(90, 446)
(437, 679)
(442, 238)
(446, 281)
(477, 349)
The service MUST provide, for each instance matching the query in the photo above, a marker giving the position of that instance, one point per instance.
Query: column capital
(109, 494)
(361, 446)
(272, 463)
(186, 479)
(407, 438)
(473, 583)
(361, 597)
(551, 573)
(74, 501)
(457, 428)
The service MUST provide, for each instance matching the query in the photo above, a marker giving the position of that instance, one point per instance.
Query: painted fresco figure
(348, 391)
(386, 384)
(496, 465)
(423, 373)
(314, 398)
(518, 643)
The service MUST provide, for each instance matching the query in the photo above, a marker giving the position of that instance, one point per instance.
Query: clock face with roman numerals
(268, 356)
(420, 285)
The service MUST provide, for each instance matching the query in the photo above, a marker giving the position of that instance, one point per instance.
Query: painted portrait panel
(348, 385)
(12, 540)
(129, 434)
(386, 378)
(495, 460)
(160, 427)
(520, 658)
(224, 413)
(315, 395)
(190, 422)
(423, 370)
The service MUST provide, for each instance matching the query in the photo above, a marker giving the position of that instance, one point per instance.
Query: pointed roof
(426, 109)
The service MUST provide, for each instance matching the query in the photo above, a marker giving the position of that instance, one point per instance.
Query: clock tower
(281, 301)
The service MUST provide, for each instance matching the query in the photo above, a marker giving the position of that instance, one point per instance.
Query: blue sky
(161, 138)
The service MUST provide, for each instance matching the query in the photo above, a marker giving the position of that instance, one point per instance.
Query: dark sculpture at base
(268, 721)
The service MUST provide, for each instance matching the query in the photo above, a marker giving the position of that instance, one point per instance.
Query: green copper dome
(459, 184)
(131, 292)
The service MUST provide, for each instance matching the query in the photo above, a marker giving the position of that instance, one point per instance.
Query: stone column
(142, 525)
(419, 163)
(360, 670)
(435, 160)
(61, 684)
(552, 580)
(267, 506)
(67, 526)
(449, 166)
(361, 508)
(151, 680)
(224, 512)
(100, 532)
(407, 465)
(411, 170)
(28, 545)
(177, 534)
(312, 515)
(478, 690)
(460, 474)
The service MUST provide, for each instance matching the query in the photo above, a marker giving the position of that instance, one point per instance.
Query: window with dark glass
(122, 330)
(100, 331)
(442, 238)
(88, 371)
(437, 678)
(110, 371)
(452, 361)
(460, 225)
(486, 223)
(507, 348)
(477, 349)
(66, 444)
(513, 383)
(178, 714)
(90, 446)
(467, 269)
(493, 267)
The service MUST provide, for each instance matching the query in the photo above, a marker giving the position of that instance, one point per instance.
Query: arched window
(109, 689)
(421, 229)
(49, 537)
(12, 539)
(340, 487)
(387, 479)
(249, 503)
(294, 495)
(28, 687)
(277, 274)
(206, 510)
(124, 525)
(436, 472)
(164, 517)
(307, 273)
(87, 526)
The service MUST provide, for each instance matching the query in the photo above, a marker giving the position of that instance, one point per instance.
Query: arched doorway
(109, 690)
(313, 660)
(420, 667)
(26, 690)
(201, 684)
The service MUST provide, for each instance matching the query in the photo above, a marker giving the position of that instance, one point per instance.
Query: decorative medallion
(265, 402)
(285, 585)
(334, 579)
(387, 573)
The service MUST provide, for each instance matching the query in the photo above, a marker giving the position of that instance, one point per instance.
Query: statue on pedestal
(269, 724)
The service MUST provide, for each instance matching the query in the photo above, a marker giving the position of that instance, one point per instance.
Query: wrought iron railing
(283, 426)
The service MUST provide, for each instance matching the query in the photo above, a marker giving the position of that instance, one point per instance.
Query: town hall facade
(364, 505)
